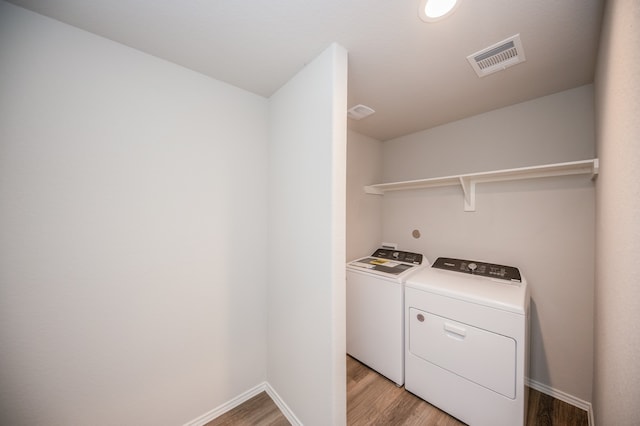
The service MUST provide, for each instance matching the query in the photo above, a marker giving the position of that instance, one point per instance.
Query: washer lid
(499, 294)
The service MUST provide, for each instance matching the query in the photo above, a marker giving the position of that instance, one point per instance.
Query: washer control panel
(397, 255)
(491, 270)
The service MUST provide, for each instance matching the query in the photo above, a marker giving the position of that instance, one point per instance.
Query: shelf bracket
(373, 190)
(469, 190)
(596, 169)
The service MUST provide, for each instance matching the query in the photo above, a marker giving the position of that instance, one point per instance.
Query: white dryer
(375, 309)
(467, 332)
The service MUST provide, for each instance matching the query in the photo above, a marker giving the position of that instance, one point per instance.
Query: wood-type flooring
(374, 400)
(257, 411)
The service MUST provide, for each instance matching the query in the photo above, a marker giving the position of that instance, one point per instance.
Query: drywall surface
(545, 226)
(551, 129)
(128, 188)
(364, 213)
(617, 295)
(306, 253)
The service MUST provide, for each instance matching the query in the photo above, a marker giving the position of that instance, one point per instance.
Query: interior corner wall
(617, 298)
(546, 227)
(306, 253)
(131, 190)
(364, 212)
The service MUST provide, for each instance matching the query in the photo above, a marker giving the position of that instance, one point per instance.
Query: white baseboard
(282, 406)
(563, 396)
(227, 406)
(291, 417)
(245, 396)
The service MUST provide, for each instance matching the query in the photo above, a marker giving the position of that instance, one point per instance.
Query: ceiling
(415, 75)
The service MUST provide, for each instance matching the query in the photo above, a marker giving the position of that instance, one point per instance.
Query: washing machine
(467, 334)
(375, 309)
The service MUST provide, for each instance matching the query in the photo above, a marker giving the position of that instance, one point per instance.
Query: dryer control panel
(491, 270)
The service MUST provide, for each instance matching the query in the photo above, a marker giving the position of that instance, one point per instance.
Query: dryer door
(485, 358)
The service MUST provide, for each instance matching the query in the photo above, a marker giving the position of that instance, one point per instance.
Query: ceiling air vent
(498, 57)
(359, 112)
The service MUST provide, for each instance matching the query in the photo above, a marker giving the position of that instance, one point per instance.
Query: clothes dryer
(467, 332)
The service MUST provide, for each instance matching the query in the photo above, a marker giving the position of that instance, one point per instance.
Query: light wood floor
(374, 400)
(259, 410)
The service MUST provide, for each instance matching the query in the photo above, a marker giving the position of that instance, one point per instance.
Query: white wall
(545, 227)
(133, 198)
(306, 254)
(364, 213)
(551, 129)
(616, 368)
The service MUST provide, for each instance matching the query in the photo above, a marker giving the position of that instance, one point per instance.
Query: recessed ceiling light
(435, 10)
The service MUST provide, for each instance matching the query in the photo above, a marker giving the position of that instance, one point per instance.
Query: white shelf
(468, 181)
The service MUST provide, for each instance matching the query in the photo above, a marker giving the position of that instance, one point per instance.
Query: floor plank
(545, 410)
(372, 399)
(257, 411)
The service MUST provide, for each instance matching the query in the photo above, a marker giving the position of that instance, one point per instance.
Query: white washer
(467, 331)
(375, 309)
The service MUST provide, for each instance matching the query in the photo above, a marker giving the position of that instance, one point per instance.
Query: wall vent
(497, 57)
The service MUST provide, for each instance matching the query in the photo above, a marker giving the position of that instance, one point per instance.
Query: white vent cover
(498, 57)
(359, 112)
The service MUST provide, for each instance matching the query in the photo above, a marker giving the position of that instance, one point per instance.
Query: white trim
(291, 417)
(244, 397)
(228, 406)
(284, 408)
(563, 396)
